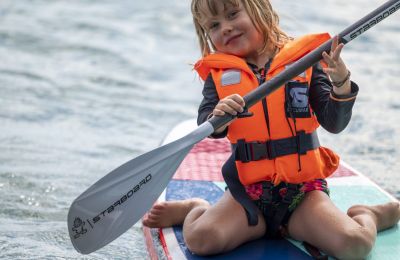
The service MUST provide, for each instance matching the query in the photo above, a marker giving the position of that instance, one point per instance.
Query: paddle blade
(117, 201)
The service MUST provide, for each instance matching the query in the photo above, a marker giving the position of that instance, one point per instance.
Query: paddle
(118, 200)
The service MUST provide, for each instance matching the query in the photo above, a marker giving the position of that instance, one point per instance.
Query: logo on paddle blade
(126, 196)
(78, 227)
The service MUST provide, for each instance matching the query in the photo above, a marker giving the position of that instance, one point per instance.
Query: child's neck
(260, 60)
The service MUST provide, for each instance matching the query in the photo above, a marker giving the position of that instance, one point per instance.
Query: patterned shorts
(279, 191)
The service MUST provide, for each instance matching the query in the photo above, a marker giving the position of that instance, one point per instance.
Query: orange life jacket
(232, 75)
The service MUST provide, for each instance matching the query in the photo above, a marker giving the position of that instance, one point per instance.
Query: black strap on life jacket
(254, 151)
(231, 177)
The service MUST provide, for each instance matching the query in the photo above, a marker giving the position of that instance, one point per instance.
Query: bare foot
(170, 213)
(384, 215)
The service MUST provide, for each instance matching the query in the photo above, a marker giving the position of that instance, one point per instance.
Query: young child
(276, 174)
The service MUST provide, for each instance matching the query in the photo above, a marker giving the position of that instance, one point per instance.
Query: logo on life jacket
(297, 103)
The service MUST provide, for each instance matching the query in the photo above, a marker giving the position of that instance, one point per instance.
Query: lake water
(88, 85)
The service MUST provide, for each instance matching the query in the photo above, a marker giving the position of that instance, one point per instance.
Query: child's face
(232, 31)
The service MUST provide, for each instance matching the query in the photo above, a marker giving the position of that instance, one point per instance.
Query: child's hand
(336, 69)
(231, 104)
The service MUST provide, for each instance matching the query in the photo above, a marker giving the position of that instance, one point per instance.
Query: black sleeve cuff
(353, 93)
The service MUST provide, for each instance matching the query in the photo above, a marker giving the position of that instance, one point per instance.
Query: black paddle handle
(347, 35)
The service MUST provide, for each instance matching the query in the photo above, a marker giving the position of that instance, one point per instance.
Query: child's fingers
(328, 60)
(336, 54)
(238, 99)
(334, 44)
(218, 112)
(234, 104)
(226, 106)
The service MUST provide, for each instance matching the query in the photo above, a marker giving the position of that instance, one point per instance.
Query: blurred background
(87, 85)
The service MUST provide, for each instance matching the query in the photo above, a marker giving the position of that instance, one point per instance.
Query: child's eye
(213, 25)
(233, 14)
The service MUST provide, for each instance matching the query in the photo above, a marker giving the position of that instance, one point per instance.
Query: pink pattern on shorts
(255, 190)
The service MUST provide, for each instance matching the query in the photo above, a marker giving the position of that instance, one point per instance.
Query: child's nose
(226, 27)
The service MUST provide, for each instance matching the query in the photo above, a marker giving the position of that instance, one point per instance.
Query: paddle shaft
(347, 35)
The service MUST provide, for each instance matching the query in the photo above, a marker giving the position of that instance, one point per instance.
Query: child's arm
(210, 100)
(332, 110)
(332, 97)
(337, 70)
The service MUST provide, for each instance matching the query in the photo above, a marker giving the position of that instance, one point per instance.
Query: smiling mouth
(232, 39)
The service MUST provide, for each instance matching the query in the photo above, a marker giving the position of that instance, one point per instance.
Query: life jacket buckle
(259, 151)
(251, 151)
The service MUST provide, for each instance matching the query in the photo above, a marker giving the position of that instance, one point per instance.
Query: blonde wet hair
(261, 13)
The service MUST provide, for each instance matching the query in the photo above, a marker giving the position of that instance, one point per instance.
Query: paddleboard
(200, 176)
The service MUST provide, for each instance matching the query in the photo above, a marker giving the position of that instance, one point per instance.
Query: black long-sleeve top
(333, 111)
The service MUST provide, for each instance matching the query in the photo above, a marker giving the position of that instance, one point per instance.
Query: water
(87, 85)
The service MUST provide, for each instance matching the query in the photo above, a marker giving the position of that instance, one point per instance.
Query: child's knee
(353, 244)
(204, 240)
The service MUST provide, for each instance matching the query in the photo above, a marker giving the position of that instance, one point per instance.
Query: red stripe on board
(164, 244)
(205, 160)
(151, 249)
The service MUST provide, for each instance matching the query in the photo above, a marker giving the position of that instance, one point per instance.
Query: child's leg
(171, 213)
(209, 229)
(319, 222)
